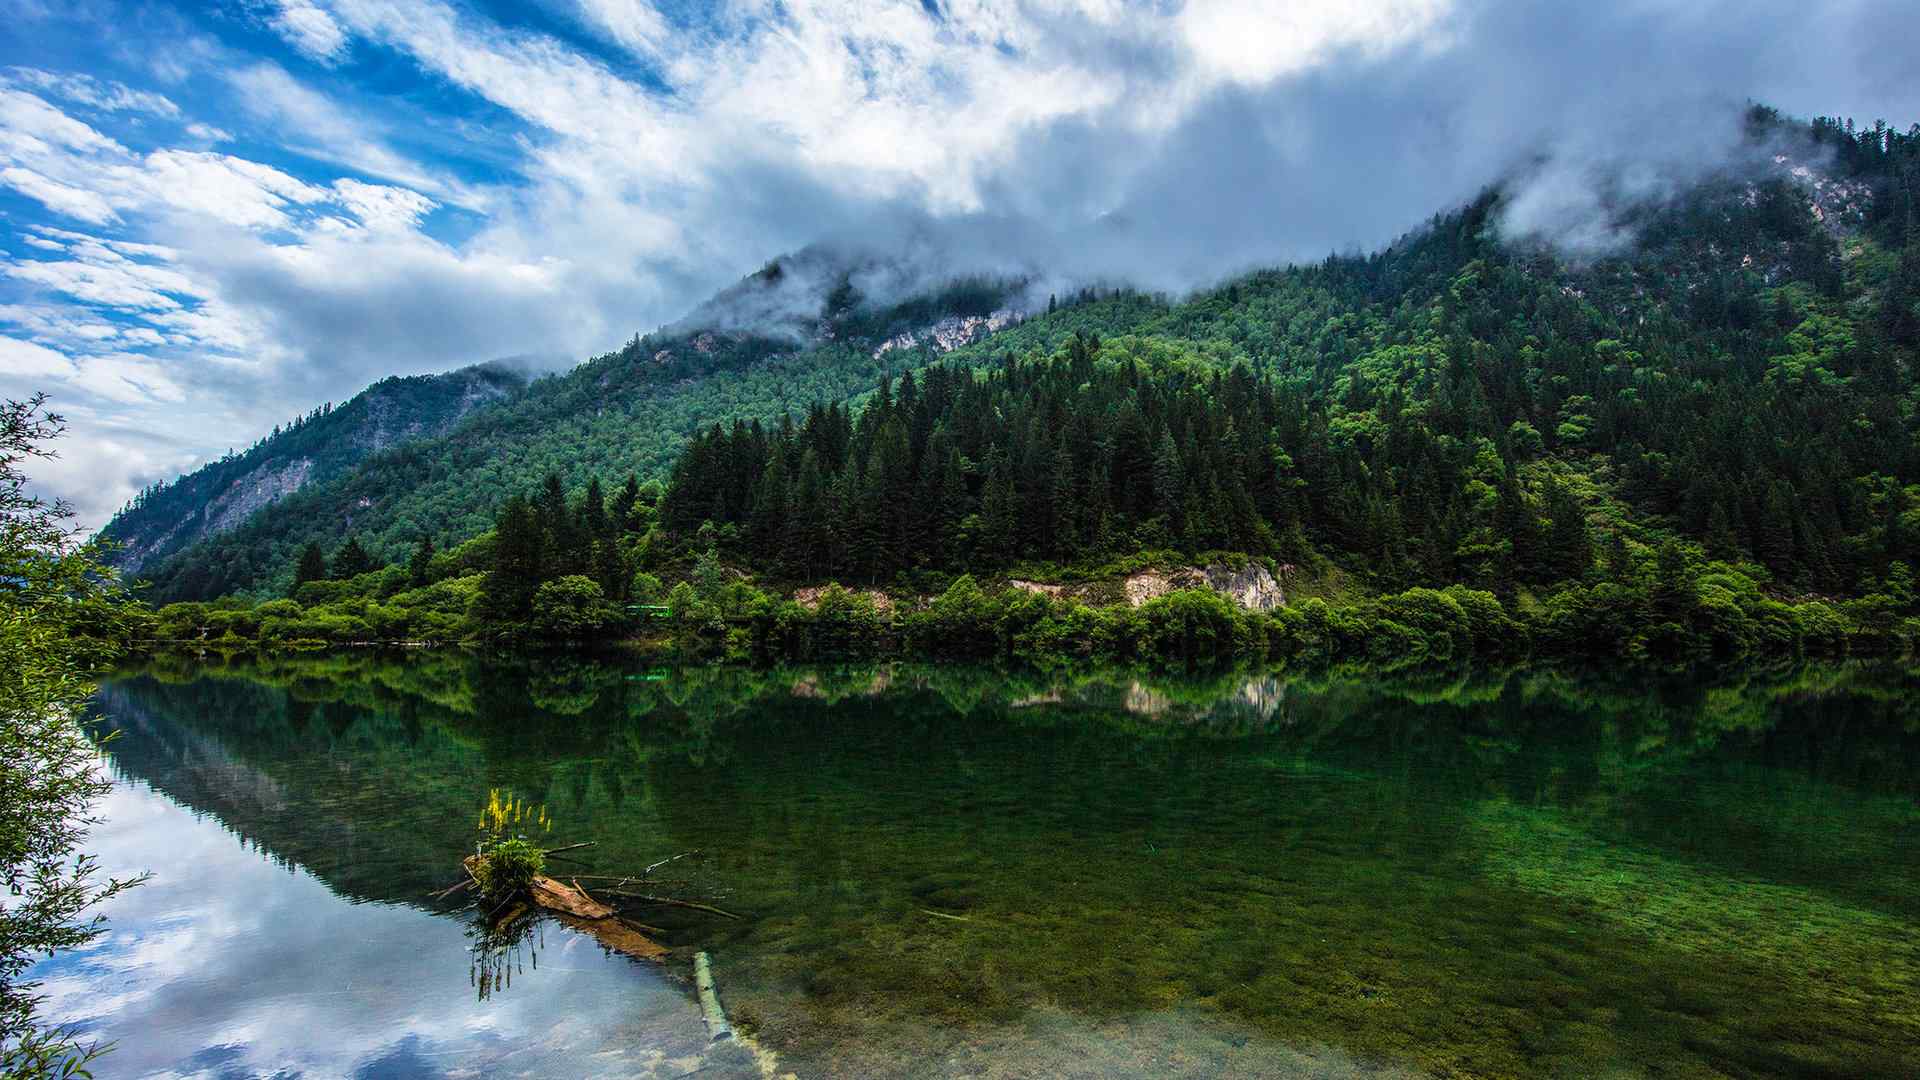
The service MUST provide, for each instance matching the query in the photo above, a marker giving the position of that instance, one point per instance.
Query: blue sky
(215, 216)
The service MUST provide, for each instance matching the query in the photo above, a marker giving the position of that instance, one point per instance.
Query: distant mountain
(313, 449)
(796, 331)
(1737, 367)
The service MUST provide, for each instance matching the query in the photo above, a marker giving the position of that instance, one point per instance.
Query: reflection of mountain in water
(319, 758)
(925, 851)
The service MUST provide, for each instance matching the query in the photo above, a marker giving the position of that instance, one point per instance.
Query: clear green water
(950, 871)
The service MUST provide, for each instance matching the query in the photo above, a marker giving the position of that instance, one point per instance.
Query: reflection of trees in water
(502, 949)
(375, 749)
(842, 804)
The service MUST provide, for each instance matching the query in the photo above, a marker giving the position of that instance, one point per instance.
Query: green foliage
(61, 614)
(570, 608)
(505, 861)
(506, 867)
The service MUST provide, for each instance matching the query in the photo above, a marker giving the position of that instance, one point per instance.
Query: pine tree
(1569, 545)
(1169, 482)
(420, 566)
(506, 594)
(766, 534)
(352, 560)
(593, 519)
(312, 567)
(625, 503)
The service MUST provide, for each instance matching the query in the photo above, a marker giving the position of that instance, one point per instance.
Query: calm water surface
(948, 871)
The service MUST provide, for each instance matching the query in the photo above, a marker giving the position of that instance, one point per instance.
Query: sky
(216, 216)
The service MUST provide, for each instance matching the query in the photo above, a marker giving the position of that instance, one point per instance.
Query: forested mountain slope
(628, 412)
(1456, 408)
(1453, 410)
(313, 449)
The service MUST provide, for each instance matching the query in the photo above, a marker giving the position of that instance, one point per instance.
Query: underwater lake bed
(953, 871)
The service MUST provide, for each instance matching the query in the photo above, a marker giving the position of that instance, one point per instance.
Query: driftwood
(567, 847)
(582, 912)
(616, 934)
(555, 896)
(667, 860)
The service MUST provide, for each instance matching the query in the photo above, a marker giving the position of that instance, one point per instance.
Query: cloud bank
(230, 219)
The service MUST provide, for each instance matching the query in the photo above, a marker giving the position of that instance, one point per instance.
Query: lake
(951, 871)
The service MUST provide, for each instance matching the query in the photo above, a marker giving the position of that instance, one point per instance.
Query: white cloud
(123, 285)
(381, 206)
(309, 29)
(25, 360)
(314, 124)
(226, 188)
(1251, 42)
(83, 89)
(58, 197)
(635, 24)
(28, 125)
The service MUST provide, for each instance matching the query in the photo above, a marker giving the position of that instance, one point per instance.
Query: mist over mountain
(1806, 222)
(199, 249)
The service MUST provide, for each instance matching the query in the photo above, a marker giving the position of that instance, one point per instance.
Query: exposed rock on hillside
(949, 333)
(1251, 586)
(221, 496)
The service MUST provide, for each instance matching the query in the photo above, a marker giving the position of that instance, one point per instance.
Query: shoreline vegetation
(561, 572)
(63, 617)
(1672, 613)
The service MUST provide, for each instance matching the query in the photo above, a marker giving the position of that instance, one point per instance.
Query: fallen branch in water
(667, 860)
(944, 915)
(671, 902)
(451, 889)
(568, 847)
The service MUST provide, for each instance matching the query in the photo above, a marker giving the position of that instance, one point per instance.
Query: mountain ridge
(221, 495)
(1708, 260)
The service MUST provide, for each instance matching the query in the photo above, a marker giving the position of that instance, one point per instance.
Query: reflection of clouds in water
(225, 964)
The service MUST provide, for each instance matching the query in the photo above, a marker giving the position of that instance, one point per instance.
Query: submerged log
(574, 907)
(555, 896)
(615, 934)
(710, 1010)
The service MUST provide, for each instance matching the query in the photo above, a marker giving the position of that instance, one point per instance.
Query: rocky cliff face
(253, 491)
(1251, 586)
(222, 495)
(949, 333)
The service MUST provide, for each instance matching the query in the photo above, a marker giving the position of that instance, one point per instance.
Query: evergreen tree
(1569, 545)
(626, 503)
(506, 593)
(312, 567)
(352, 560)
(420, 566)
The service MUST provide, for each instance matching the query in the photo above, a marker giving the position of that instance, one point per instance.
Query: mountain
(170, 518)
(751, 352)
(1463, 406)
